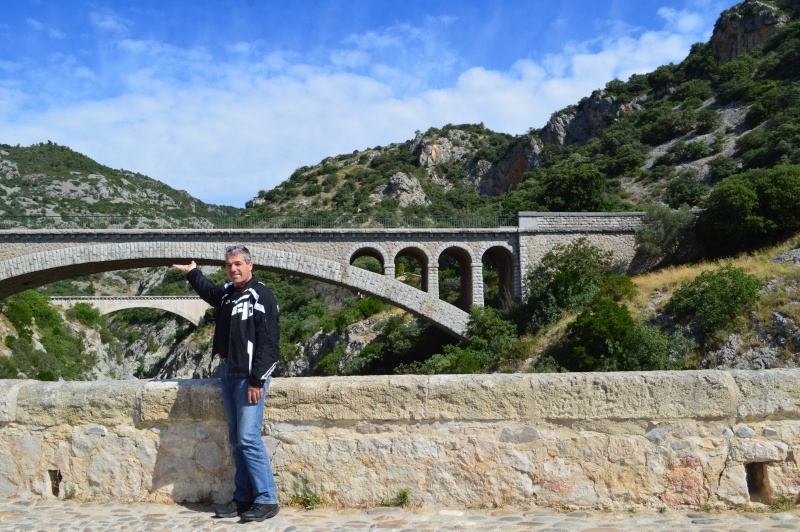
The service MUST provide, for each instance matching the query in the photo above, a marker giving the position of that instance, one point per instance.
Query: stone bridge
(190, 307)
(30, 258)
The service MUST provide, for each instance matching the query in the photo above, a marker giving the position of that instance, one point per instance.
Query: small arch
(413, 271)
(456, 288)
(498, 277)
(370, 253)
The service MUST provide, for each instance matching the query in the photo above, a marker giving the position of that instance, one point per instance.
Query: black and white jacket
(253, 344)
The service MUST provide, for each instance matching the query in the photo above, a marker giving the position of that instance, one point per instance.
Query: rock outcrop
(587, 120)
(506, 174)
(742, 28)
(403, 188)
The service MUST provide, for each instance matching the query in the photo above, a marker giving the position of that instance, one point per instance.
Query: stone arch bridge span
(190, 307)
(31, 258)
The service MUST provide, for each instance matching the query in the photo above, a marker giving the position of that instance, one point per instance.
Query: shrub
(662, 232)
(686, 189)
(721, 167)
(708, 121)
(492, 341)
(84, 313)
(714, 298)
(751, 209)
(565, 279)
(604, 337)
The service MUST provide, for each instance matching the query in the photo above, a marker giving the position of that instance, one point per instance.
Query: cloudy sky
(226, 98)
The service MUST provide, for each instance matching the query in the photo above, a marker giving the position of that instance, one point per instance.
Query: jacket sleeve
(267, 350)
(208, 291)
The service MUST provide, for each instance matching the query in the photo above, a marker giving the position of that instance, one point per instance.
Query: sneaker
(259, 512)
(233, 508)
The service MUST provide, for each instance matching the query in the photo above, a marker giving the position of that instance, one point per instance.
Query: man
(246, 338)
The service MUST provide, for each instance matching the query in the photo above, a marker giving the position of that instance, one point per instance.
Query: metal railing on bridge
(456, 221)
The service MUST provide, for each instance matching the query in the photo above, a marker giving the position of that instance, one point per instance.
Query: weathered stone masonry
(31, 258)
(614, 440)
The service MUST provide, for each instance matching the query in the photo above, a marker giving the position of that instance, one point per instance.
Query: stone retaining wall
(615, 440)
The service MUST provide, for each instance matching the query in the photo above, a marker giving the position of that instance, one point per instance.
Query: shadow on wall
(193, 461)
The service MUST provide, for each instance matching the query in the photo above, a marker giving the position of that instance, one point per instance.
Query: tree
(566, 278)
(750, 209)
(662, 232)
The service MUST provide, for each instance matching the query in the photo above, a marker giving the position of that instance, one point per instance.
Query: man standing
(246, 338)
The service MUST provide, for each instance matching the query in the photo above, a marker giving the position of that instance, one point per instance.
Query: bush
(721, 167)
(84, 313)
(751, 209)
(686, 189)
(714, 298)
(604, 337)
(565, 279)
(662, 232)
(492, 341)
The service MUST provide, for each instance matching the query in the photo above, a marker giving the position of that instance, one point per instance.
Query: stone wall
(615, 440)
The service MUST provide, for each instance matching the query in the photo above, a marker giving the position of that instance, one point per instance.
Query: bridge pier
(477, 285)
(433, 280)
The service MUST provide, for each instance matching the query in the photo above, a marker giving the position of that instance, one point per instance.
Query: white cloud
(225, 130)
(107, 20)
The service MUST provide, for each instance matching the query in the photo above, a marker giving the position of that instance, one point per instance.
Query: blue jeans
(253, 479)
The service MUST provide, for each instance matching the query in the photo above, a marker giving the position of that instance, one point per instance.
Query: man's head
(238, 264)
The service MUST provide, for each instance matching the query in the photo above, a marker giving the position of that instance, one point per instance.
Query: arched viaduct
(191, 308)
(32, 258)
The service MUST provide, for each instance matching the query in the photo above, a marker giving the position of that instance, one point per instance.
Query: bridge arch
(466, 266)
(40, 268)
(501, 259)
(191, 309)
(422, 257)
(356, 252)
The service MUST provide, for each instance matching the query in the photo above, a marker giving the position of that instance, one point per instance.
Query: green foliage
(566, 278)
(751, 209)
(714, 298)
(329, 364)
(64, 354)
(695, 88)
(605, 337)
(685, 189)
(721, 167)
(668, 124)
(707, 121)
(683, 151)
(368, 263)
(617, 287)
(305, 496)
(567, 187)
(84, 313)
(662, 232)
(357, 309)
(493, 340)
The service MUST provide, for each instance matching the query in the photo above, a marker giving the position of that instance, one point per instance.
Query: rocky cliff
(741, 29)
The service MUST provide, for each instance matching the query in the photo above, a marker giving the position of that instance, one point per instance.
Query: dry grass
(666, 281)
(656, 288)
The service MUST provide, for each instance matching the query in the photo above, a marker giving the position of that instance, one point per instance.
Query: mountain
(50, 180)
(691, 125)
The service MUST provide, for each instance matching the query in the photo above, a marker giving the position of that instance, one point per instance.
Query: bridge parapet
(599, 440)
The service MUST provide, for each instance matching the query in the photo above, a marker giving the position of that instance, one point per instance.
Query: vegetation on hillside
(46, 179)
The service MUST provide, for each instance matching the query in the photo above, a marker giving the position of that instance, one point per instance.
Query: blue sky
(226, 98)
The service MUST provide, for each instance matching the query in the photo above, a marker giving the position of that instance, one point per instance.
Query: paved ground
(68, 515)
